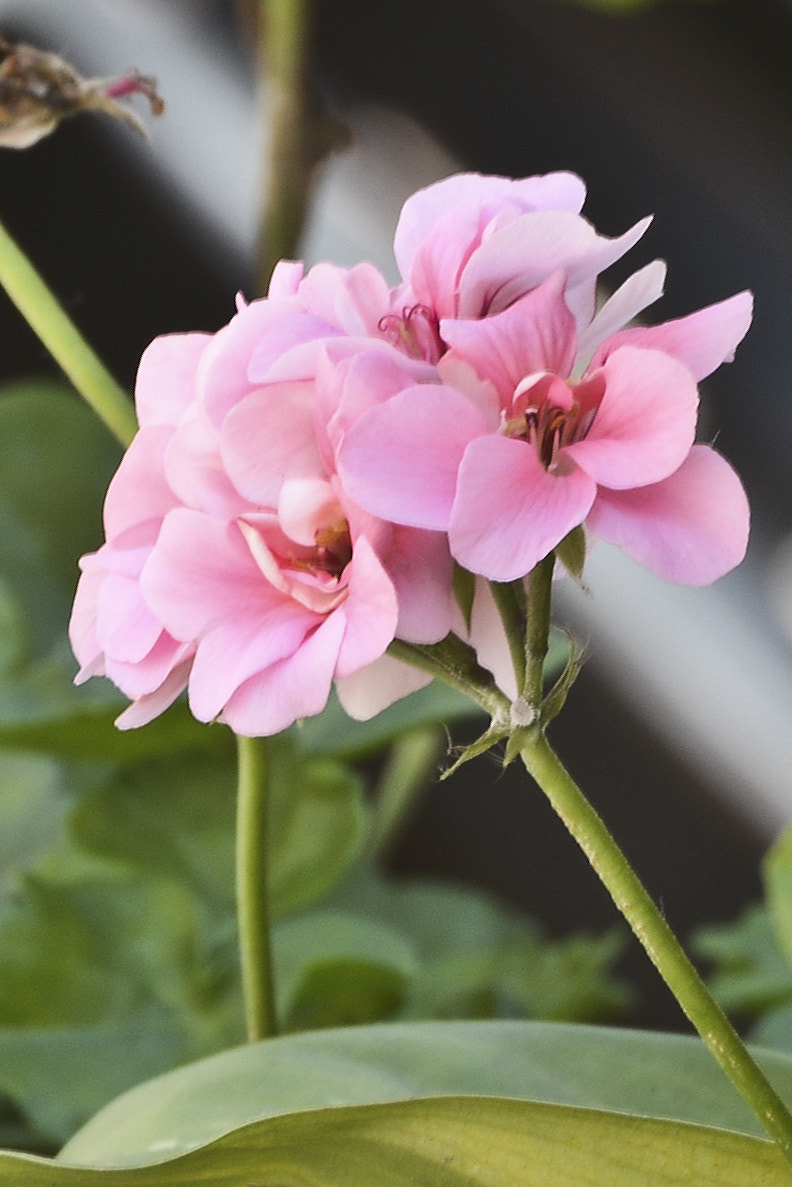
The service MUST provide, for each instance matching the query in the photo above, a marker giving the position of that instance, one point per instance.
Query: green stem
(299, 135)
(509, 597)
(63, 340)
(537, 634)
(252, 888)
(657, 938)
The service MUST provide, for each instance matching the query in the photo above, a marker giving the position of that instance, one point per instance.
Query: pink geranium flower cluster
(303, 480)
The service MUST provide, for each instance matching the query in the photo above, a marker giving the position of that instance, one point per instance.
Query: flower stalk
(252, 886)
(626, 889)
(60, 336)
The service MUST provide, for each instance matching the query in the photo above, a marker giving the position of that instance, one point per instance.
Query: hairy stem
(657, 938)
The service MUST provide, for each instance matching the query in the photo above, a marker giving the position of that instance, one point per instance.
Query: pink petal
(536, 333)
(691, 528)
(352, 300)
(139, 491)
(646, 421)
(195, 471)
(702, 340)
(269, 357)
(400, 459)
(240, 648)
(425, 209)
(165, 384)
(285, 279)
(509, 512)
(420, 567)
(295, 687)
(642, 289)
(519, 256)
(201, 572)
(268, 438)
(367, 692)
(222, 379)
(148, 675)
(125, 625)
(370, 611)
(147, 707)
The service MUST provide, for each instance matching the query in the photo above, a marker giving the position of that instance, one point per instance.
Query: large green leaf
(592, 1067)
(446, 1142)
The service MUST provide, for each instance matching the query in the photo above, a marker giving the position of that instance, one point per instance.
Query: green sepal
(555, 700)
(464, 589)
(572, 552)
(490, 738)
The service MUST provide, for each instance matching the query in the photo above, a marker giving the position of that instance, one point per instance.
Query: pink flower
(541, 426)
(469, 246)
(236, 564)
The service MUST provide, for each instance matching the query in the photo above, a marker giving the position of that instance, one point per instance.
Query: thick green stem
(63, 340)
(660, 943)
(252, 882)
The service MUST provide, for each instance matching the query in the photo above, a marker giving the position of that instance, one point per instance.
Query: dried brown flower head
(39, 89)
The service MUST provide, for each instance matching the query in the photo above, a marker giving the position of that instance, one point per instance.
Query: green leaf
(317, 826)
(751, 974)
(339, 970)
(777, 871)
(562, 1140)
(57, 462)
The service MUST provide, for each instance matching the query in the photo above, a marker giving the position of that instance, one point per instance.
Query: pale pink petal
(305, 506)
(522, 254)
(370, 611)
(536, 333)
(400, 459)
(195, 471)
(489, 639)
(271, 358)
(352, 300)
(642, 289)
(147, 707)
(509, 512)
(139, 491)
(222, 378)
(471, 191)
(293, 688)
(165, 383)
(691, 529)
(285, 279)
(146, 676)
(645, 423)
(124, 623)
(269, 437)
(702, 340)
(367, 692)
(201, 572)
(241, 647)
(419, 565)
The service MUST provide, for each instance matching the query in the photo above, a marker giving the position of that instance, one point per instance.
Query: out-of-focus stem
(71, 352)
(297, 133)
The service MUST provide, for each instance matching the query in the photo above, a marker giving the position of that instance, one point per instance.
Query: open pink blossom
(541, 426)
(235, 564)
(471, 245)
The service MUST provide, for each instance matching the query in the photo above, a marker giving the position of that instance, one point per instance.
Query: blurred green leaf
(56, 461)
(751, 973)
(589, 1068)
(479, 959)
(339, 970)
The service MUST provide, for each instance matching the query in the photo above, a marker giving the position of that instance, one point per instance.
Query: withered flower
(39, 89)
